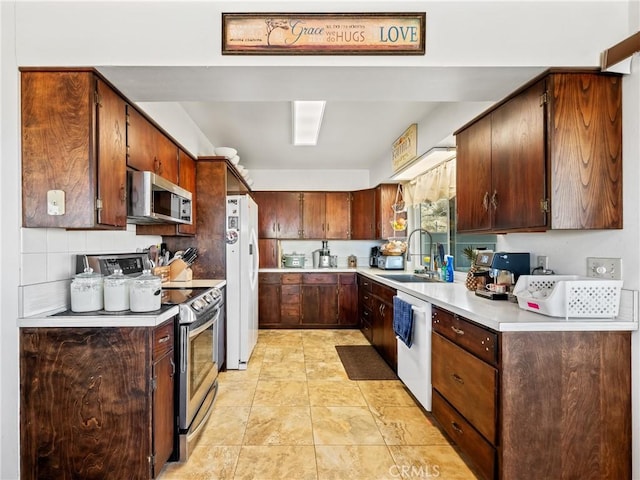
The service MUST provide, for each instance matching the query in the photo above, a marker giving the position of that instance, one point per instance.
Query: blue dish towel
(403, 320)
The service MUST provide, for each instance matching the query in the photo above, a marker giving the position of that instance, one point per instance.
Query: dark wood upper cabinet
(279, 214)
(74, 141)
(187, 180)
(313, 215)
(363, 214)
(473, 175)
(385, 199)
(337, 216)
(149, 149)
(547, 157)
(326, 215)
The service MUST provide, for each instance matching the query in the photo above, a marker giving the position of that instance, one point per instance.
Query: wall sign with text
(323, 33)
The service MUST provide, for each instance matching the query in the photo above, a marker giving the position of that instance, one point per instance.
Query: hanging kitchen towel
(403, 320)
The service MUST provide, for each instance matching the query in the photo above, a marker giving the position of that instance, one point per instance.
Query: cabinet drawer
(384, 292)
(366, 329)
(468, 383)
(347, 279)
(482, 342)
(270, 278)
(320, 279)
(291, 278)
(162, 339)
(478, 450)
(365, 298)
(364, 283)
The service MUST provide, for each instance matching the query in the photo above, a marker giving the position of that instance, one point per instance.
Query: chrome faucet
(407, 254)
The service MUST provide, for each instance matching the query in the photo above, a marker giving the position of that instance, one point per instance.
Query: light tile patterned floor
(295, 415)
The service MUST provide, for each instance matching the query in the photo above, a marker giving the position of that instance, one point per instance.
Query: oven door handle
(197, 331)
(195, 432)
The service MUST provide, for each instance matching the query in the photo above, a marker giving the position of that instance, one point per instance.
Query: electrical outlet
(543, 262)
(610, 268)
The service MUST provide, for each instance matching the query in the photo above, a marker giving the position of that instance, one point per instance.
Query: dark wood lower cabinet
(307, 300)
(375, 313)
(96, 403)
(534, 404)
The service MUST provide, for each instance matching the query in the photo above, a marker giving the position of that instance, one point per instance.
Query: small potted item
(145, 292)
(86, 292)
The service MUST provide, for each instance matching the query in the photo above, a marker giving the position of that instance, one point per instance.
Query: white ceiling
(248, 108)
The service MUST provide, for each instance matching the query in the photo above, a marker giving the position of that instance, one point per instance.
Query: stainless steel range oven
(197, 357)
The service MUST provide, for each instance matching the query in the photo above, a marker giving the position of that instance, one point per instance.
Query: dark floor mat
(363, 362)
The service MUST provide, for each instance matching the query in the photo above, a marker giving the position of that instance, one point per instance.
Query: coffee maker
(505, 269)
(373, 257)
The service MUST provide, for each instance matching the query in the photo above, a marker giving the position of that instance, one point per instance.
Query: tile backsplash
(47, 261)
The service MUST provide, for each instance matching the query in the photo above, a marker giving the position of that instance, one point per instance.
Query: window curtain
(437, 183)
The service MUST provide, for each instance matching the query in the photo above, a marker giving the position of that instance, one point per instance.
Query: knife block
(179, 271)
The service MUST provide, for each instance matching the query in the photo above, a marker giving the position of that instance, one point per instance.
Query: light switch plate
(609, 268)
(55, 202)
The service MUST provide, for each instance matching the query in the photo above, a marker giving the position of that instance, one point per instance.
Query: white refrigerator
(242, 280)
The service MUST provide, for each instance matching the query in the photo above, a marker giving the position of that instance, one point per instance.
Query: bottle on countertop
(449, 270)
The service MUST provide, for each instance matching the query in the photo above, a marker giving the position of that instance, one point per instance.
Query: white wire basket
(569, 296)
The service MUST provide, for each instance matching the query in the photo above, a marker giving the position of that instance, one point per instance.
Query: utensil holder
(179, 271)
(163, 272)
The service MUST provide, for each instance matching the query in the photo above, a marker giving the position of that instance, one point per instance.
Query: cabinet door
(163, 411)
(267, 214)
(586, 152)
(141, 142)
(57, 147)
(518, 168)
(167, 153)
(473, 177)
(112, 154)
(268, 253)
(377, 325)
(389, 344)
(289, 224)
(319, 305)
(337, 215)
(268, 304)
(187, 180)
(385, 198)
(313, 215)
(290, 296)
(363, 215)
(348, 300)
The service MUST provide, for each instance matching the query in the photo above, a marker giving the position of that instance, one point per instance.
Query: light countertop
(504, 316)
(104, 319)
(309, 270)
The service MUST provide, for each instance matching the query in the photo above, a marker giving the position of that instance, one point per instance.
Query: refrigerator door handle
(255, 259)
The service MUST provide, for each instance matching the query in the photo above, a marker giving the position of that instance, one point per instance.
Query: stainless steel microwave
(153, 199)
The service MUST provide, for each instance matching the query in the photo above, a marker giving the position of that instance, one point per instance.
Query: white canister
(116, 292)
(86, 292)
(145, 292)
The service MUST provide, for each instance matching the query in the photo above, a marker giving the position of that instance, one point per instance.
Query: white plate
(226, 152)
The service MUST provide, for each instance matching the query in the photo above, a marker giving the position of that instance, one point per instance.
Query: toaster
(391, 262)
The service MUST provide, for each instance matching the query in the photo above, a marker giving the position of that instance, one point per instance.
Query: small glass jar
(145, 293)
(87, 291)
(116, 292)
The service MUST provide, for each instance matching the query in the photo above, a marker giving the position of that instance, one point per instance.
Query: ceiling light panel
(307, 119)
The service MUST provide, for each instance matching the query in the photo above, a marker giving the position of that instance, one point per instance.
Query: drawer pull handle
(457, 378)
(457, 331)
(164, 339)
(456, 428)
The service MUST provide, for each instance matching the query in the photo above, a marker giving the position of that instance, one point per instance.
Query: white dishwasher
(414, 364)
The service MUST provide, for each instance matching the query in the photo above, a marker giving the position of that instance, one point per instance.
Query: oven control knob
(197, 305)
(208, 298)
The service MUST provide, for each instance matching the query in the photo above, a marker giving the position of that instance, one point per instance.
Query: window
(438, 218)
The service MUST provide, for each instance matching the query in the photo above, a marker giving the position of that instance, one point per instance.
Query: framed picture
(323, 33)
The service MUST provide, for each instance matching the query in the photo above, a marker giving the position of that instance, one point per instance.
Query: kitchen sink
(410, 278)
